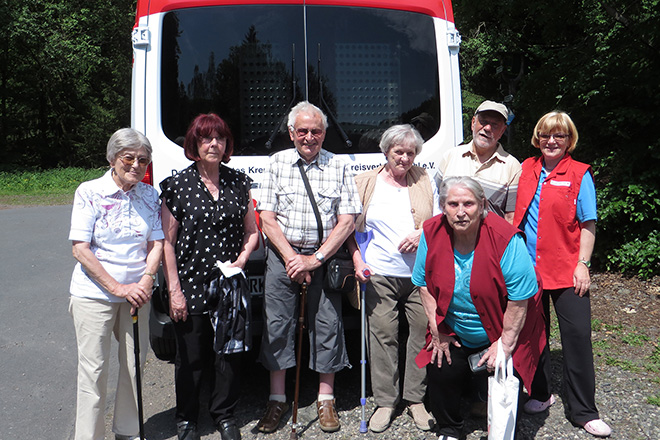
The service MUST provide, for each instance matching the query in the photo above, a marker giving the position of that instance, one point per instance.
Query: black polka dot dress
(209, 230)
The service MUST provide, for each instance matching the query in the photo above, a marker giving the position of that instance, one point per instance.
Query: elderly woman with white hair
(117, 239)
(389, 256)
(493, 298)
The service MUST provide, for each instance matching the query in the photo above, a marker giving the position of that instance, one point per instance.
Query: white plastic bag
(503, 389)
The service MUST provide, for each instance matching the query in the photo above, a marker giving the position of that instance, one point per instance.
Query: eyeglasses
(559, 137)
(129, 160)
(302, 132)
(208, 140)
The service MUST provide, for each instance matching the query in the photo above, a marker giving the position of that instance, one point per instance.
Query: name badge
(560, 183)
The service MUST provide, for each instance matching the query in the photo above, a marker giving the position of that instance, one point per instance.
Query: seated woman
(390, 256)
(500, 304)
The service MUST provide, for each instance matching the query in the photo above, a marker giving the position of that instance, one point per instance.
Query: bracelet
(149, 274)
(585, 262)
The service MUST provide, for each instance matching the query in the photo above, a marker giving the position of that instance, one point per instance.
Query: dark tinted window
(366, 68)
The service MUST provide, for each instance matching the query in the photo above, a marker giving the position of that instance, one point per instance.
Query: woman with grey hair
(389, 256)
(117, 239)
(470, 316)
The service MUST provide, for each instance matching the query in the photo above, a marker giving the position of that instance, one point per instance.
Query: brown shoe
(328, 417)
(271, 420)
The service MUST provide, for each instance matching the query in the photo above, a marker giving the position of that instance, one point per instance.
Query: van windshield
(366, 68)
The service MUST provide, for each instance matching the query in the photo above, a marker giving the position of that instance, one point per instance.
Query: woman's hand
(440, 347)
(410, 243)
(581, 279)
(134, 293)
(360, 269)
(178, 306)
(491, 355)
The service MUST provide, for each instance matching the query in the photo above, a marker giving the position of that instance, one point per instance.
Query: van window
(366, 68)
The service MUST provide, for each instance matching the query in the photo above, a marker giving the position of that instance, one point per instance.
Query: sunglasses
(129, 160)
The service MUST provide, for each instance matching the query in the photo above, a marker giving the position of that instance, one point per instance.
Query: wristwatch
(319, 256)
(585, 262)
(152, 275)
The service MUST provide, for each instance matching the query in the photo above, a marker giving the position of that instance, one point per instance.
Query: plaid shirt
(284, 193)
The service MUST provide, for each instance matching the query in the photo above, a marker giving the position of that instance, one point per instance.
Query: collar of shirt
(498, 155)
(321, 160)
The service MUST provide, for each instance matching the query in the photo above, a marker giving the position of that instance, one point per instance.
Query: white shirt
(117, 225)
(389, 217)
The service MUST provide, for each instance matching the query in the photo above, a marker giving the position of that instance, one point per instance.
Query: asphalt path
(37, 341)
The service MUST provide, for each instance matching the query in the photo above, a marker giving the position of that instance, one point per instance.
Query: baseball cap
(495, 107)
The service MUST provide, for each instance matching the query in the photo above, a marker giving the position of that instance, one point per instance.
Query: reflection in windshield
(368, 69)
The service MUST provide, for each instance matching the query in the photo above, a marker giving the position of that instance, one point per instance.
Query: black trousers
(196, 358)
(448, 384)
(579, 379)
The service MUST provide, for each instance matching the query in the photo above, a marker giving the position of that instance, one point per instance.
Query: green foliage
(55, 181)
(65, 80)
(599, 61)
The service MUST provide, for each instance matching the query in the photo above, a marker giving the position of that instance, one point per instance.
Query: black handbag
(340, 272)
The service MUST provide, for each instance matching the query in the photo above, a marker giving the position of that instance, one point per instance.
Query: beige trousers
(95, 322)
(388, 299)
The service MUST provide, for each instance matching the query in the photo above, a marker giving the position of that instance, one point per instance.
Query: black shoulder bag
(340, 272)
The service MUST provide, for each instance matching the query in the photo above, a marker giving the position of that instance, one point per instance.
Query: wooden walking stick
(301, 326)
(138, 376)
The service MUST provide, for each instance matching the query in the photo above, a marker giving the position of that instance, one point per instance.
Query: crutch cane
(362, 240)
(301, 325)
(138, 376)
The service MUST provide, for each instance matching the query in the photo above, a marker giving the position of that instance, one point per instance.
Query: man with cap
(485, 160)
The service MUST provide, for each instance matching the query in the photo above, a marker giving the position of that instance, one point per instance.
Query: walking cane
(138, 377)
(301, 325)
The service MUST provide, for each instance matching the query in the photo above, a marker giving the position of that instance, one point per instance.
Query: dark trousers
(579, 380)
(447, 385)
(195, 358)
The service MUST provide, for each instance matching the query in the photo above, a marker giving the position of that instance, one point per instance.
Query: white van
(368, 64)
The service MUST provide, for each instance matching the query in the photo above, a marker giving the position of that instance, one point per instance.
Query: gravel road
(621, 396)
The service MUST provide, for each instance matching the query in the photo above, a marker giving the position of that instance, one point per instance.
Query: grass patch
(596, 325)
(49, 187)
(635, 338)
(653, 400)
(623, 364)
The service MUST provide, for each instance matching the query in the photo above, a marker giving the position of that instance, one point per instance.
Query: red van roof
(436, 8)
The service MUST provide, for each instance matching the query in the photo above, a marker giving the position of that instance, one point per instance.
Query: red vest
(487, 289)
(558, 234)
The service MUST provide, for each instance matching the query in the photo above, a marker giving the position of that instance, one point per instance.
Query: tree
(65, 85)
(599, 61)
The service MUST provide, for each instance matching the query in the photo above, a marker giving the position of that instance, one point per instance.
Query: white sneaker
(533, 406)
(597, 428)
(381, 418)
(420, 416)
(446, 437)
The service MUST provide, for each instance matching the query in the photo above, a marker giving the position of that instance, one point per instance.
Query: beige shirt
(498, 176)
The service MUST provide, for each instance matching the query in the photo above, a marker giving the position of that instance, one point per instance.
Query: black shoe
(229, 430)
(187, 431)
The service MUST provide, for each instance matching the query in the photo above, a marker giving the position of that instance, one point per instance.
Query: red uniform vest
(487, 289)
(558, 234)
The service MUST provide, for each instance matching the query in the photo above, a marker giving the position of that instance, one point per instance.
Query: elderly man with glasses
(296, 252)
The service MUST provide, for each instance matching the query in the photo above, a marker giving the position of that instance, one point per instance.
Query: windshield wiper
(326, 108)
(269, 142)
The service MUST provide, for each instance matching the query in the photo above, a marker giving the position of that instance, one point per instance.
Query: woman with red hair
(208, 216)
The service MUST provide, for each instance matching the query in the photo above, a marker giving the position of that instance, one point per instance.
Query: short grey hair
(307, 108)
(466, 182)
(126, 138)
(403, 134)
